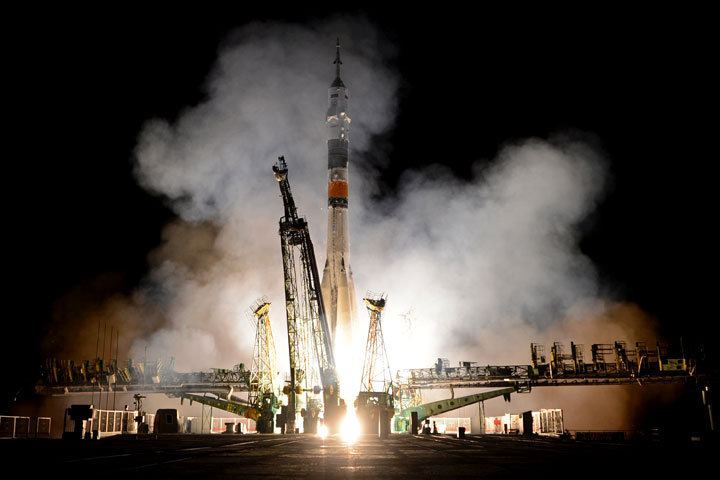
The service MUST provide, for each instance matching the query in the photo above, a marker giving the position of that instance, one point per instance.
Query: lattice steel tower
(376, 375)
(375, 403)
(262, 393)
(264, 365)
(305, 313)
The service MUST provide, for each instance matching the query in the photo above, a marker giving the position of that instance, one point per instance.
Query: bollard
(384, 423)
(414, 423)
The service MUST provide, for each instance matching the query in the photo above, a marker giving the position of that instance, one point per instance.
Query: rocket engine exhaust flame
(350, 429)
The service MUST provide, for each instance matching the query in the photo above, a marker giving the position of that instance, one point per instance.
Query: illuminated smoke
(478, 258)
(266, 97)
(491, 264)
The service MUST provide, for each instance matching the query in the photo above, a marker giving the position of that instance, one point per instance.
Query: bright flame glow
(322, 432)
(348, 363)
(350, 429)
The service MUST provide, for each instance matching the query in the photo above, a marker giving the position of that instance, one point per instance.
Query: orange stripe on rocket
(337, 189)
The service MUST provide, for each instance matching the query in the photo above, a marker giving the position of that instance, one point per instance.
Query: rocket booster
(337, 284)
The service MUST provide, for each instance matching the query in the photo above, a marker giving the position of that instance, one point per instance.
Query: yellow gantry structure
(376, 375)
(264, 366)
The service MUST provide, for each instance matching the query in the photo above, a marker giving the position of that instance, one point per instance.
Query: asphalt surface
(310, 457)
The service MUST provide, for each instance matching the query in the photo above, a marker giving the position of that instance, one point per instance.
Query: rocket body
(338, 288)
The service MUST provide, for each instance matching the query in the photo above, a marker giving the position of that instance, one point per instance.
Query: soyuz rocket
(338, 288)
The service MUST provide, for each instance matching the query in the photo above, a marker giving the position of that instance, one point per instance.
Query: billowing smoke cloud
(265, 98)
(474, 269)
(477, 259)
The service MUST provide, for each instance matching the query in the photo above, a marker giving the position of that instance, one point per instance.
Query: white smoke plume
(477, 259)
(266, 97)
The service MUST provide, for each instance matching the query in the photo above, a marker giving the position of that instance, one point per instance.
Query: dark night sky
(82, 83)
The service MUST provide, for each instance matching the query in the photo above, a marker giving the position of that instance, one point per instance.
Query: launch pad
(398, 456)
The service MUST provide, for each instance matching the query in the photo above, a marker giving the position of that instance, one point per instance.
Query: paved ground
(399, 456)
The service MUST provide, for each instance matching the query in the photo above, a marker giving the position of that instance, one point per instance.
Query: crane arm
(429, 409)
(242, 409)
(294, 233)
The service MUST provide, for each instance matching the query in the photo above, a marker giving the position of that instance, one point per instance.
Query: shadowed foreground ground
(399, 456)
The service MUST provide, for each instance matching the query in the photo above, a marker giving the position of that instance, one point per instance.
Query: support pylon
(263, 387)
(376, 375)
(375, 403)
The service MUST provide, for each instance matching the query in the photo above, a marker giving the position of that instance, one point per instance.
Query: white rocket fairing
(338, 288)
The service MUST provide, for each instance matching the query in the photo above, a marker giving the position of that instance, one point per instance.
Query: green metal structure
(403, 421)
